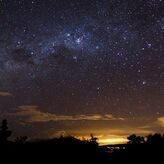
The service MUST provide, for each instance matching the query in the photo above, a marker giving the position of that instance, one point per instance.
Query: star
(144, 82)
(68, 35)
(78, 40)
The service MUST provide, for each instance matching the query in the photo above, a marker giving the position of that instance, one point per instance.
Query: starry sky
(75, 67)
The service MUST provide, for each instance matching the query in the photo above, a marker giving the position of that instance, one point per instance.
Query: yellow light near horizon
(106, 139)
(112, 141)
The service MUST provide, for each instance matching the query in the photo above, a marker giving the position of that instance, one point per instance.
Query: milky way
(72, 58)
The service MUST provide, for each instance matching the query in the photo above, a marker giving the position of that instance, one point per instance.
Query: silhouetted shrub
(4, 133)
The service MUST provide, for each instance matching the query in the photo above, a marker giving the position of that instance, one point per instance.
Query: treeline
(5, 134)
(156, 138)
(64, 149)
(69, 149)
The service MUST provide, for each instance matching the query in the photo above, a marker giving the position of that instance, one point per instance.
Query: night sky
(76, 67)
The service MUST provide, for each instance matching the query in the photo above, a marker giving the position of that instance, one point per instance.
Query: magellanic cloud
(5, 94)
(33, 114)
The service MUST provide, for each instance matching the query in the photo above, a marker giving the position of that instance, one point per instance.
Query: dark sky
(82, 66)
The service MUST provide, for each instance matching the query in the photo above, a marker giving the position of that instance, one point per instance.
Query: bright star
(78, 41)
(68, 35)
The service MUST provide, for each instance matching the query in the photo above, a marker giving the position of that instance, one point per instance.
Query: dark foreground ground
(71, 150)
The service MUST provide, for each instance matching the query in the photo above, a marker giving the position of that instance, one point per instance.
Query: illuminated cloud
(4, 94)
(32, 114)
(160, 121)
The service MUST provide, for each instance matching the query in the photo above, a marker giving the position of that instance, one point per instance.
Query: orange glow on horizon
(105, 136)
(112, 141)
(108, 140)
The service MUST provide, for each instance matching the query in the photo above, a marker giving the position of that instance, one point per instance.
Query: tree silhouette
(21, 139)
(133, 139)
(154, 139)
(93, 139)
(4, 133)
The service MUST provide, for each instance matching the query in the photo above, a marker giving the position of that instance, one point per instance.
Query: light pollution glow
(105, 136)
(112, 141)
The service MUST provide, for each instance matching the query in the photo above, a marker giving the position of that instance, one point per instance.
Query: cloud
(32, 114)
(4, 94)
(160, 121)
(146, 127)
